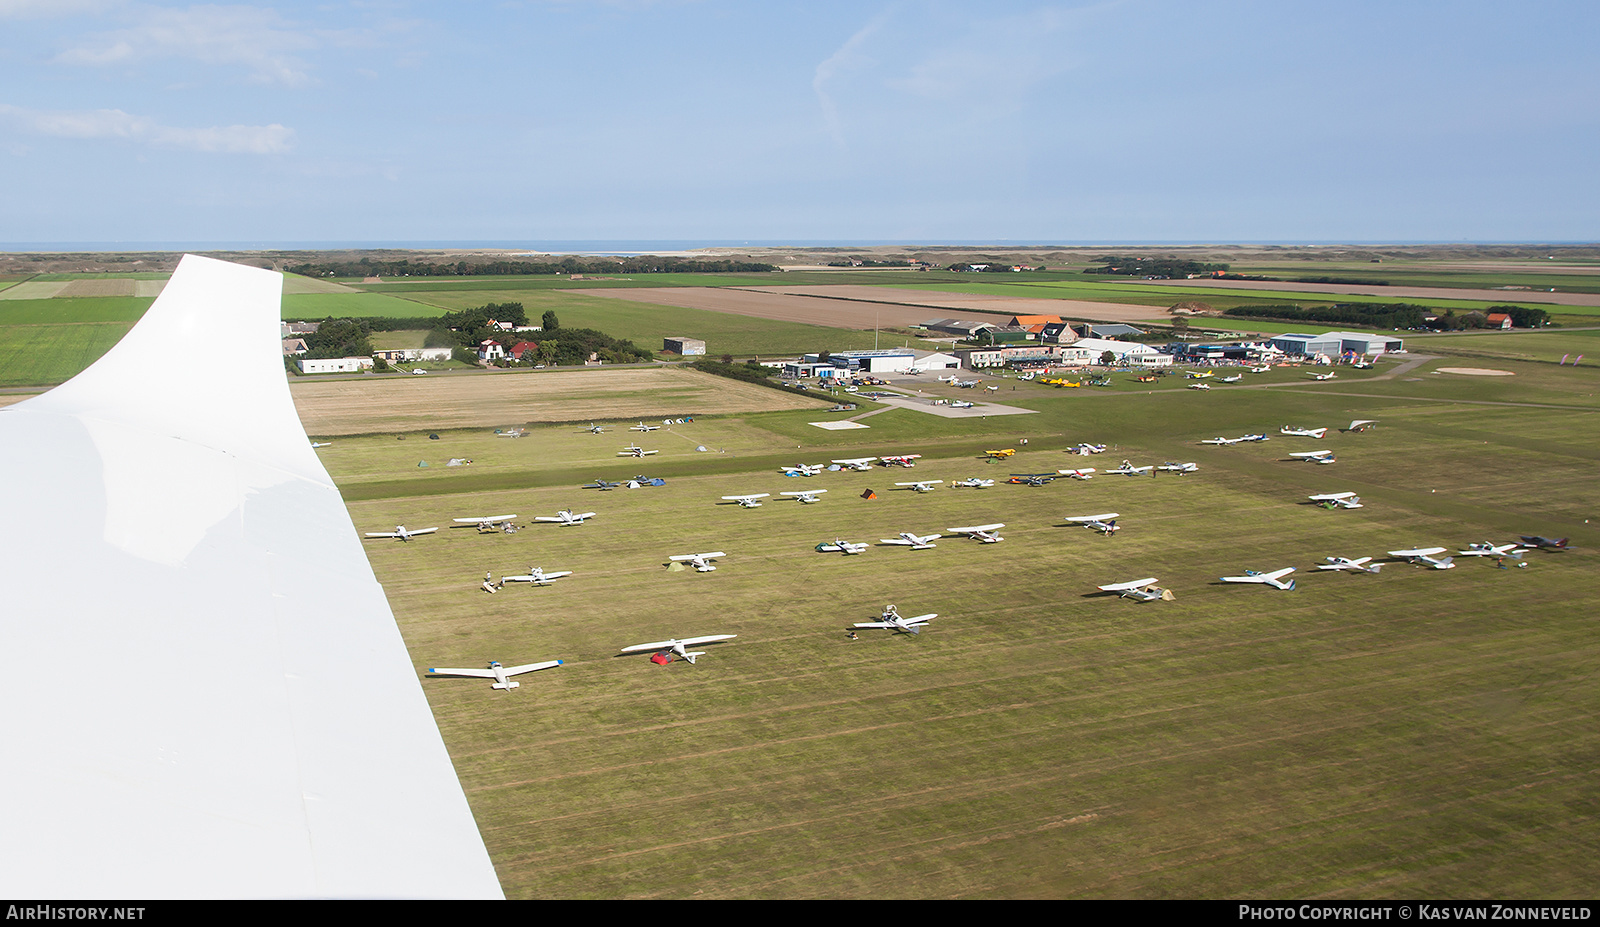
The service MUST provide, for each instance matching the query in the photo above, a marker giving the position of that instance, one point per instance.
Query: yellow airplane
(1001, 454)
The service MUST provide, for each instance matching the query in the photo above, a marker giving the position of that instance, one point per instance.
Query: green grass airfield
(1416, 733)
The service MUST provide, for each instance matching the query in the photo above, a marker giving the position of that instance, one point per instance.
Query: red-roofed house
(1499, 320)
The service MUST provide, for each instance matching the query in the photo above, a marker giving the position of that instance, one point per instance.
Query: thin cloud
(116, 124)
(254, 38)
(847, 58)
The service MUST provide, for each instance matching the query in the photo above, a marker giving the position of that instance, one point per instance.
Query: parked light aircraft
(1262, 369)
(891, 620)
(565, 517)
(1198, 375)
(679, 647)
(806, 496)
(903, 460)
(500, 674)
(401, 533)
(1105, 524)
(322, 444)
(802, 470)
(1303, 432)
(1144, 590)
(1223, 441)
(700, 562)
(1087, 449)
(1179, 468)
(536, 576)
(1544, 543)
(1330, 375)
(643, 427)
(921, 485)
(1032, 479)
(1083, 473)
(596, 429)
(962, 404)
(1358, 565)
(856, 463)
(1128, 469)
(752, 501)
(1361, 365)
(1258, 438)
(601, 485)
(1199, 386)
(907, 539)
(1361, 424)
(488, 523)
(1233, 379)
(982, 533)
(1001, 454)
(1321, 457)
(841, 547)
(512, 433)
(1487, 549)
(974, 483)
(1425, 555)
(1273, 579)
(634, 450)
(1343, 500)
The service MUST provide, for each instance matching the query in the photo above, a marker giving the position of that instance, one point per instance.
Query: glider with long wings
(400, 532)
(891, 620)
(500, 674)
(1273, 579)
(915, 542)
(1425, 556)
(679, 647)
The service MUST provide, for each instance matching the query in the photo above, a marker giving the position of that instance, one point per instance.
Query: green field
(1416, 733)
(41, 355)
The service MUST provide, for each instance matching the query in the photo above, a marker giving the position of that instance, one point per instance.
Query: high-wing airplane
(679, 647)
(1262, 369)
(1358, 565)
(1088, 449)
(907, 539)
(487, 524)
(841, 547)
(982, 533)
(601, 485)
(902, 460)
(1487, 549)
(856, 463)
(891, 620)
(500, 674)
(700, 562)
(1343, 500)
(1000, 454)
(1361, 424)
(1179, 468)
(802, 470)
(1143, 590)
(634, 450)
(537, 576)
(752, 501)
(1543, 543)
(596, 429)
(1303, 432)
(806, 496)
(1105, 524)
(921, 485)
(565, 517)
(643, 427)
(1128, 469)
(1425, 555)
(1273, 579)
(1082, 473)
(974, 483)
(1199, 386)
(1032, 479)
(401, 533)
(1321, 457)
(1330, 375)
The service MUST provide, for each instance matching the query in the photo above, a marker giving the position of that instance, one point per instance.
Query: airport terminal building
(1336, 344)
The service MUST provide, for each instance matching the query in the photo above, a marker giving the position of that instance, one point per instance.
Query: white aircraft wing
(448, 671)
(530, 667)
(178, 515)
(485, 520)
(418, 531)
(1417, 552)
(1124, 587)
(711, 556)
(759, 495)
(804, 492)
(973, 529)
(1085, 519)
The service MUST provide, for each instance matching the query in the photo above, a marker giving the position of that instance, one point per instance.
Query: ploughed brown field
(863, 307)
(368, 405)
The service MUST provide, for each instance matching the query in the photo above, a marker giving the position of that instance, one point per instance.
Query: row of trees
(368, 267)
(1394, 315)
(1151, 267)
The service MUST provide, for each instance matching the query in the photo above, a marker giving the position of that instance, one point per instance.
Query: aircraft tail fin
(1446, 562)
(1374, 568)
(1289, 587)
(508, 684)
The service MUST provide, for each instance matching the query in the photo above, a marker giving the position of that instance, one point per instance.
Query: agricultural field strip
(937, 301)
(833, 313)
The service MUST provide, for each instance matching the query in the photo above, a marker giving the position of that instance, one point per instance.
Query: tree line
(369, 267)
(1405, 316)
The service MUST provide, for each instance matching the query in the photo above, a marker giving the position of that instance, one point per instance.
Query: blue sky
(1158, 120)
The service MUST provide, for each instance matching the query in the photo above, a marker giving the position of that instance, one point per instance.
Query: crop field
(1416, 733)
(47, 354)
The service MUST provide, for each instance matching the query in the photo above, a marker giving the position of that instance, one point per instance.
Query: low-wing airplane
(805, 496)
(841, 547)
(1223, 441)
(752, 501)
(1128, 469)
(634, 450)
(643, 427)
(679, 647)
(1082, 473)
(1000, 454)
(500, 674)
(1303, 432)
(700, 562)
(1321, 457)
(401, 532)
(565, 517)
(962, 404)
(1088, 449)
(1257, 438)
(1233, 379)
(1273, 579)
(1358, 565)
(1198, 375)
(1330, 375)
(907, 539)
(1032, 479)
(856, 463)
(801, 470)
(601, 485)
(1143, 590)
(1262, 369)
(974, 483)
(1148, 378)
(1199, 386)
(1542, 543)
(595, 429)
(537, 576)
(488, 523)
(1487, 549)
(1361, 365)
(1343, 500)
(902, 460)
(982, 533)
(1105, 524)
(1179, 468)
(1361, 424)
(511, 433)
(921, 485)
(1425, 555)
(891, 620)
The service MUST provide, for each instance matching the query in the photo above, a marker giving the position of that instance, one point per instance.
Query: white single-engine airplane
(805, 497)
(856, 463)
(401, 532)
(1105, 524)
(1487, 549)
(921, 486)
(679, 647)
(488, 523)
(595, 429)
(634, 450)
(1144, 590)
(700, 562)
(891, 620)
(1204, 386)
(1179, 468)
(902, 460)
(1425, 556)
(907, 539)
(1358, 565)
(643, 427)
(1223, 441)
(1330, 375)
(1088, 449)
(1343, 500)
(974, 483)
(982, 533)
(1361, 424)
(841, 547)
(1303, 432)
(752, 501)
(802, 470)
(1083, 473)
(496, 672)
(1128, 469)
(1273, 579)
(537, 576)
(1321, 457)
(565, 517)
